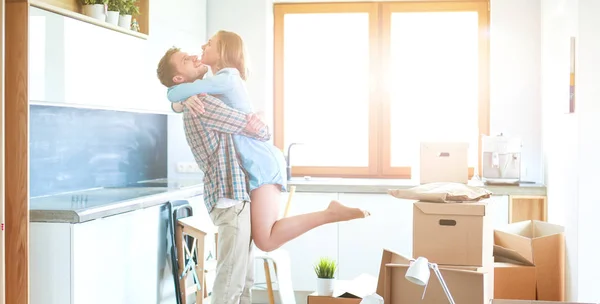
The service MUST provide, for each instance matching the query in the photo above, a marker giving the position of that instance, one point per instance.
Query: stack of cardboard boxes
(456, 236)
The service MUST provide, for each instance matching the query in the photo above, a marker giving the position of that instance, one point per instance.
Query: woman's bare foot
(340, 213)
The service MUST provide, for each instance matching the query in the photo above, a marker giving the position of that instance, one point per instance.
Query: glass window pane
(433, 83)
(326, 88)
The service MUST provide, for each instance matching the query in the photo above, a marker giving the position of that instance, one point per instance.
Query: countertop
(368, 185)
(86, 205)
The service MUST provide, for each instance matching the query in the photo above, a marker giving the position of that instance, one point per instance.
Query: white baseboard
(260, 296)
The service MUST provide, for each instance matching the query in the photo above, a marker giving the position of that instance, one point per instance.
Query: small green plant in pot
(94, 9)
(112, 11)
(127, 8)
(325, 270)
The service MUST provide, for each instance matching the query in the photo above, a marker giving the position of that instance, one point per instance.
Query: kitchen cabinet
(119, 259)
(75, 63)
(361, 241)
(527, 207)
(305, 250)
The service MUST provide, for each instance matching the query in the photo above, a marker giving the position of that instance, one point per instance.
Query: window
(360, 85)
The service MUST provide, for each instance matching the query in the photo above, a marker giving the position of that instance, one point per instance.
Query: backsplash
(73, 149)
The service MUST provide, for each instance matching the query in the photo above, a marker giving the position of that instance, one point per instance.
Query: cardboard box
(465, 287)
(531, 302)
(314, 299)
(444, 162)
(512, 281)
(391, 257)
(453, 233)
(348, 292)
(539, 244)
(388, 257)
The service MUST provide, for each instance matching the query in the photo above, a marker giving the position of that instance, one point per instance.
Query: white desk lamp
(418, 273)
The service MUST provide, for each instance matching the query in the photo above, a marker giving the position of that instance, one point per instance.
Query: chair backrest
(289, 200)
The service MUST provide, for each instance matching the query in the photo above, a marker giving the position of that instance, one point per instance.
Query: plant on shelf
(90, 2)
(127, 8)
(325, 270)
(112, 12)
(94, 9)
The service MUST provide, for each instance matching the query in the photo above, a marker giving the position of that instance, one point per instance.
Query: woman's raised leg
(269, 233)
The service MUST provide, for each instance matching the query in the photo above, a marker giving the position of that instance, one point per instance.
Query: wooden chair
(191, 260)
(283, 276)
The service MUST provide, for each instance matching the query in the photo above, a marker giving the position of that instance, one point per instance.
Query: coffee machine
(501, 161)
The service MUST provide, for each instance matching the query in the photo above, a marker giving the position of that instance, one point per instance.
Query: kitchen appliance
(501, 160)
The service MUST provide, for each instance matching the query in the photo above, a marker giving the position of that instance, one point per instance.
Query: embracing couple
(244, 174)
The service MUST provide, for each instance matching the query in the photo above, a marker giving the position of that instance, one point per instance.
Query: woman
(263, 162)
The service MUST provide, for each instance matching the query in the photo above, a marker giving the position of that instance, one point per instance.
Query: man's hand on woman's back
(194, 104)
(255, 124)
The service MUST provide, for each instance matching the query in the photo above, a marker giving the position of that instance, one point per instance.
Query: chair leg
(269, 282)
(180, 261)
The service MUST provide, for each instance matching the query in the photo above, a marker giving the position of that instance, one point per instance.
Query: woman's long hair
(231, 48)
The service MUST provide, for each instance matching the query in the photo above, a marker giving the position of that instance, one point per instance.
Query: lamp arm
(438, 274)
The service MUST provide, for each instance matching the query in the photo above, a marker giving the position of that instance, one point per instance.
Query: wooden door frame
(2, 243)
(16, 154)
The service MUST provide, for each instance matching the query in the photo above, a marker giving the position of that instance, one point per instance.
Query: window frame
(379, 160)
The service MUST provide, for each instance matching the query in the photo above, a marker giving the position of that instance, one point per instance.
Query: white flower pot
(325, 287)
(112, 17)
(125, 21)
(95, 11)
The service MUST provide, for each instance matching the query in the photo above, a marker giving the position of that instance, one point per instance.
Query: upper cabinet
(80, 63)
(77, 62)
(125, 16)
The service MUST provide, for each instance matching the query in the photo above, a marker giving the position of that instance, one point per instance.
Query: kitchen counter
(86, 205)
(370, 185)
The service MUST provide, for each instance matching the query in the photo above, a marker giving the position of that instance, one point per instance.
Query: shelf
(72, 8)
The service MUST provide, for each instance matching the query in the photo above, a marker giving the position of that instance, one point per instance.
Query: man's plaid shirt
(210, 137)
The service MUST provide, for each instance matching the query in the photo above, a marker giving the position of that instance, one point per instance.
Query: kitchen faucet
(288, 160)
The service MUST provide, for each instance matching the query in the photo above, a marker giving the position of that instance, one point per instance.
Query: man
(225, 184)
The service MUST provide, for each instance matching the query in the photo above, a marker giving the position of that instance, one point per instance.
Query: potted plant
(112, 12)
(127, 9)
(94, 9)
(325, 269)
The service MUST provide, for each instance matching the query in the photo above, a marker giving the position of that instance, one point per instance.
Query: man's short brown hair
(166, 69)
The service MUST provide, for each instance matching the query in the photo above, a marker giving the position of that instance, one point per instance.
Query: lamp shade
(418, 272)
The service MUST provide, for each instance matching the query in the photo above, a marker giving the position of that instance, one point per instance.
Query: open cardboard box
(538, 244)
(512, 281)
(348, 292)
(465, 287)
(471, 284)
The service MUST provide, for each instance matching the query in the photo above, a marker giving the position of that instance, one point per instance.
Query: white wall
(515, 65)
(179, 23)
(515, 78)
(570, 140)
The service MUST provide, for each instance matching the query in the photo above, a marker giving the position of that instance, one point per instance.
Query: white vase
(95, 11)
(125, 21)
(325, 287)
(112, 17)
